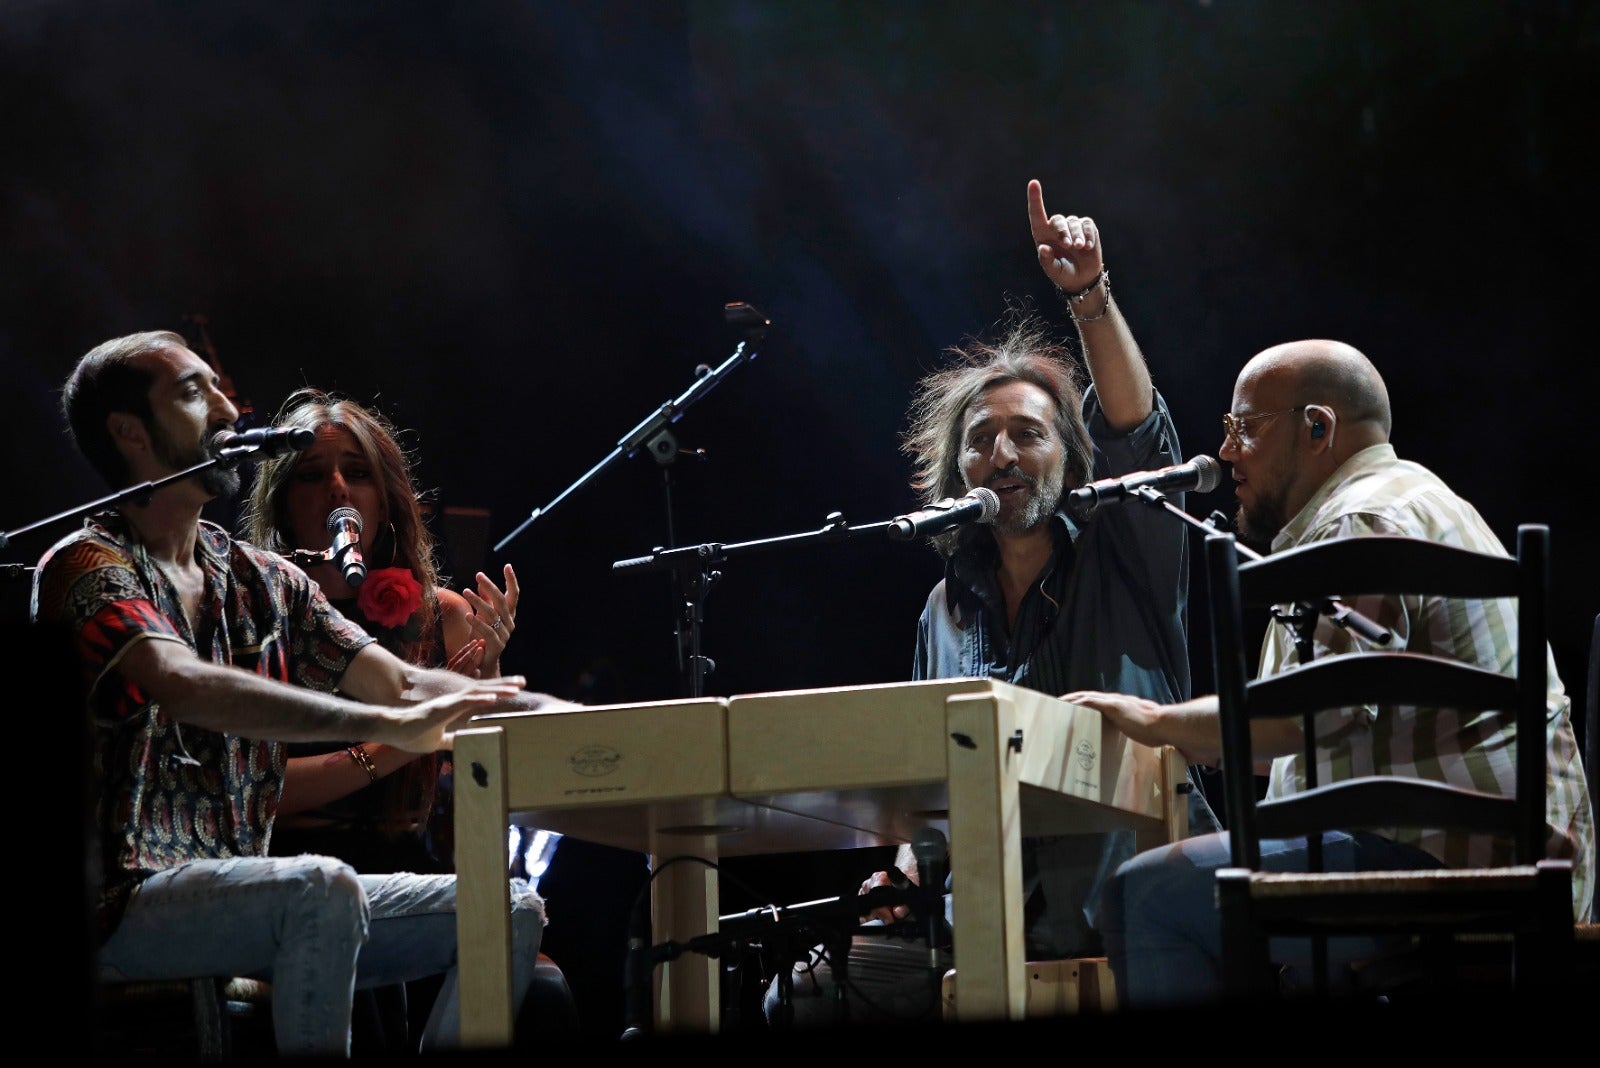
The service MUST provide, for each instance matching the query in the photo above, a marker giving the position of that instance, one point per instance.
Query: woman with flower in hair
(376, 807)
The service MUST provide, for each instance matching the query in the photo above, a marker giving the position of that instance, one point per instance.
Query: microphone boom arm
(696, 567)
(1338, 613)
(653, 430)
(139, 494)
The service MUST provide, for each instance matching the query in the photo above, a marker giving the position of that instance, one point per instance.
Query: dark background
(513, 227)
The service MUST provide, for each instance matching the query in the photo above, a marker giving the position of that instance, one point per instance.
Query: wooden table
(795, 771)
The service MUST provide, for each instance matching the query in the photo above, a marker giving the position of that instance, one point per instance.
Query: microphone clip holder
(230, 455)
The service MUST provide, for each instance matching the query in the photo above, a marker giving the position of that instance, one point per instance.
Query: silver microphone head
(340, 515)
(1209, 472)
(989, 501)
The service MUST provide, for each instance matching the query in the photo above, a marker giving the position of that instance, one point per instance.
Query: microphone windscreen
(1209, 472)
(339, 515)
(930, 841)
(989, 501)
(932, 852)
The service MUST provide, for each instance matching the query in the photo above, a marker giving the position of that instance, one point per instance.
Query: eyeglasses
(1236, 427)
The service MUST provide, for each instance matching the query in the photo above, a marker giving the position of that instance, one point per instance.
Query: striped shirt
(1375, 492)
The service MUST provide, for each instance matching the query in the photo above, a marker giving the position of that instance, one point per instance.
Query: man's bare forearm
(233, 701)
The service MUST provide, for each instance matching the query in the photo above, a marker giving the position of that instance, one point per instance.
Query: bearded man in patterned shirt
(199, 657)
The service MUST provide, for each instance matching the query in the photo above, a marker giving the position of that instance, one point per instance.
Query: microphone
(980, 505)
(1201, 474)
(270, 440)
(637, 969)
(344, 524)
(932, 853)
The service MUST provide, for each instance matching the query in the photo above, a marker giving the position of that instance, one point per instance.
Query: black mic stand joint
(694, 587)
(697, 569)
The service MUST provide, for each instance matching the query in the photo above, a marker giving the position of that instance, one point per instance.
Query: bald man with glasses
(1308, 441)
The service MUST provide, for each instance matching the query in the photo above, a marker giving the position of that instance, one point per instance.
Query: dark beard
(222, 483)
(1257, 529)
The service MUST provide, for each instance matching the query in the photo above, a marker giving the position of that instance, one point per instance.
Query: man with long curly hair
(1039, 598)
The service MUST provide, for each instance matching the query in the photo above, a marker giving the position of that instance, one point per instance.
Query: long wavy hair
(411, 793)
(1026, 352)
(404, 542)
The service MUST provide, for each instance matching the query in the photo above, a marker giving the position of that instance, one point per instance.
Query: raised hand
(493, 621)
(1068, 245)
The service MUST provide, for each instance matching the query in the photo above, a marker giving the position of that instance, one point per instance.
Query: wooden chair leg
(1246, 964)
(213, 1042)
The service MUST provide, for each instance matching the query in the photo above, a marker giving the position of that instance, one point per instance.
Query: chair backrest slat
(1402, 678)
(1379, 563)
(1369, 804)
(1383, 565)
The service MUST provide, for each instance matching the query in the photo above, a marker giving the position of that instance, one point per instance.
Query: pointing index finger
(1038, 221)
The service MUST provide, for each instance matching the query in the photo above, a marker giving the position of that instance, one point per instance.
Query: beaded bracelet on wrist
(1101, 279)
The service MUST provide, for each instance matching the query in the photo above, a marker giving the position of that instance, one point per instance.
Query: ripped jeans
(317, 931)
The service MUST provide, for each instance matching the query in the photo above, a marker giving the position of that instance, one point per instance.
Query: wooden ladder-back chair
(1524, 907)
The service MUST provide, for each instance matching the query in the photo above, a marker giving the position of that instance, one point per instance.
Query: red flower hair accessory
(389, 596)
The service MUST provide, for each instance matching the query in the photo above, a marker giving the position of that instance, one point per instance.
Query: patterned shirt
(1106, 613)
(1375, 492)
(169, 792)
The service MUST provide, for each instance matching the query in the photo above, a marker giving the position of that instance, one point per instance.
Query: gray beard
(1043, 500)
